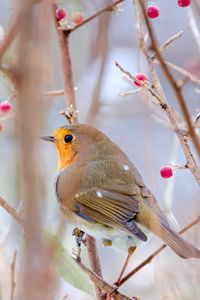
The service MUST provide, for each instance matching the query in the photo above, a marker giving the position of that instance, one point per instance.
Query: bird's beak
(48, 138)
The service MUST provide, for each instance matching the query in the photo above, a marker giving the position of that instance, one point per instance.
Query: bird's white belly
(120, 240)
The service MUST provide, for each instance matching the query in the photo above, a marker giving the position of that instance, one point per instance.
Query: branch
(104, 286)
(53, 93)
(102, 48)
(108, 8)
(155, 253)
(193, 27)
(10, 35)
(13, 283)
(66, 62)
(176, 88)
(11, 211)
(182, 71)
(94, 261)
(191, 163)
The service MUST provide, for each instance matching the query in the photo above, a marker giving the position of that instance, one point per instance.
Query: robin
(101, 192)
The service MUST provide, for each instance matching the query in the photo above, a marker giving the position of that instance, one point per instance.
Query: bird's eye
(68, 138)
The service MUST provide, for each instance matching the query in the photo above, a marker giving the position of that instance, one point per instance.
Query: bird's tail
(160, 227)
(183, 248)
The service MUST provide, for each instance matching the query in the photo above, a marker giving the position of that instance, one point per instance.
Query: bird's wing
(114, 207)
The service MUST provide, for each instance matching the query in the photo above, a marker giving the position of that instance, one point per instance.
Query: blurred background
(136, 124)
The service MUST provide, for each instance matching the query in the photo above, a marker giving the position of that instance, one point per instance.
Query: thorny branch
(191, 163)
(176, 88)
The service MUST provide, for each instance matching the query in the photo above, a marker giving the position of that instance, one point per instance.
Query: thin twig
(155, 253)
(182, 71)
(104, 286)
(13, 283)
(193, 27)
(12, 211)
(66, 62)
(192, 165)
(102, 48)
(53, 93)
(176, 88)
(108, 8)
(169, 42)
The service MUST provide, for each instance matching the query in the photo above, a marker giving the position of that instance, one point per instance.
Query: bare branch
(12, 267)
(10, 35)
(182, 71)
(94, 261)
(66, 62)
(11, 211)
(193, 27)
(104, 286)
(108, 8)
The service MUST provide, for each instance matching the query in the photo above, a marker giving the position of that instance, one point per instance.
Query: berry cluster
(63, 18)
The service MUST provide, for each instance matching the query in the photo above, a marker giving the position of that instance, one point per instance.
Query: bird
(101, 192)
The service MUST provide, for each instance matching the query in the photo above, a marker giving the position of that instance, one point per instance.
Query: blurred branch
(169, 42)
(108, 8)
(155, 253)
(176, 88)
(104, 286)
(53, 93)
(38, 277)
(191, 163)
(63, 41)
(197, 6)
(13, 283)
(10, 35)
(193, 27)
(11, 211)
(102, 48)
(182, 71)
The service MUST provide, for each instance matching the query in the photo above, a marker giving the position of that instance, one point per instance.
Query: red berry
(166, 172)
(141, 77)
(77, 18)
(5, 106)
(184, 3)
(60, 14)
(153, 11)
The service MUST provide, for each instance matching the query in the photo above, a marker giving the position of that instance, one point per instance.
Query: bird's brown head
(73, 140)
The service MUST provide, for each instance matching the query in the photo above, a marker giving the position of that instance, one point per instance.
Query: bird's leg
(79, 238)
(131, 250)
